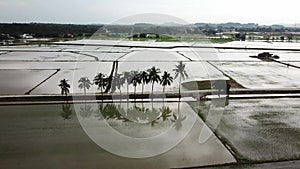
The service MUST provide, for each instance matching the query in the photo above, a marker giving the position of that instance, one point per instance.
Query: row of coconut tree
(135, 78)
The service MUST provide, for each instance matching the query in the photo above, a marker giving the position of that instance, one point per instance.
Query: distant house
(6, 37)
(146, 35)
(69, 35)
(26, 36)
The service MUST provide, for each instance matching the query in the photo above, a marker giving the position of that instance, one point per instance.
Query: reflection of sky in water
(21, 81)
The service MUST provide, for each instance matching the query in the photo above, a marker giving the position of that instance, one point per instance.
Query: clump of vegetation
(220, 40)
(153, 37)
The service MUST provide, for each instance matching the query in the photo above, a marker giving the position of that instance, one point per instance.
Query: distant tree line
(60, 30)
(210, 28)
(47, 30)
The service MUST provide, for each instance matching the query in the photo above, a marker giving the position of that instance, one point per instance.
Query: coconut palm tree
(128, 77)
(119, 81)
(84, 83)
(166, 80)
(180, 71)
(144, 76)
(101, 81)
(64, 87)
(136, 80)
(154, 76)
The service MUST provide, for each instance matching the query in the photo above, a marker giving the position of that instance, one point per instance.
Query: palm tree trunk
(84, 90)
(143, 96)
(164, 96)
(152, 87)
(142, 91)
(101, 94)
(127, 89)
(120, 95)
(134, 95)
(127, 103)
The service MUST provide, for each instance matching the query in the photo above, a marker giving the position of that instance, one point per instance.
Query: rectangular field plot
(217, 56)
(44, 56)
(262, 129)
(148, 56)
(104, 56)
(257, 75)
(18, 82)
(53, 132)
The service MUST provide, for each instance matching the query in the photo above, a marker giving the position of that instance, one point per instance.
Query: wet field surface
(246, 131)
(63, 135)
(50, 136)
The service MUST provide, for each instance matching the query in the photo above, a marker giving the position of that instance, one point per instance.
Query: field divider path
(79, 53)
(286, 64)
(124, 55)
(196, 95)
(57, 70)
(184, 55)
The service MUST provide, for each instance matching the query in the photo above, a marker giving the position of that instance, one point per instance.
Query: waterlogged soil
(262, 129)
(50, 136)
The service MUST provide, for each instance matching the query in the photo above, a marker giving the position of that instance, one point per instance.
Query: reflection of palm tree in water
(112, 111)
(179, 118)
(98, 113)
(86, 111)
(166, 112)
(66, 111)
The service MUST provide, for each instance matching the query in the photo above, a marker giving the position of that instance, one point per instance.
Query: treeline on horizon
(47, 30)
(248, 27)
(59, 30)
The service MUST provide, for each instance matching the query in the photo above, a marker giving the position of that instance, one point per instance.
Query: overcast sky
(107, 11)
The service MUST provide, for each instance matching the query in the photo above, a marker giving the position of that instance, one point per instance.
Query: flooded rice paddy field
(251, 130)
(65, 136)
(77, 136)
(20, 81)
(262, 74)
(262, 129)
(202, 63)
